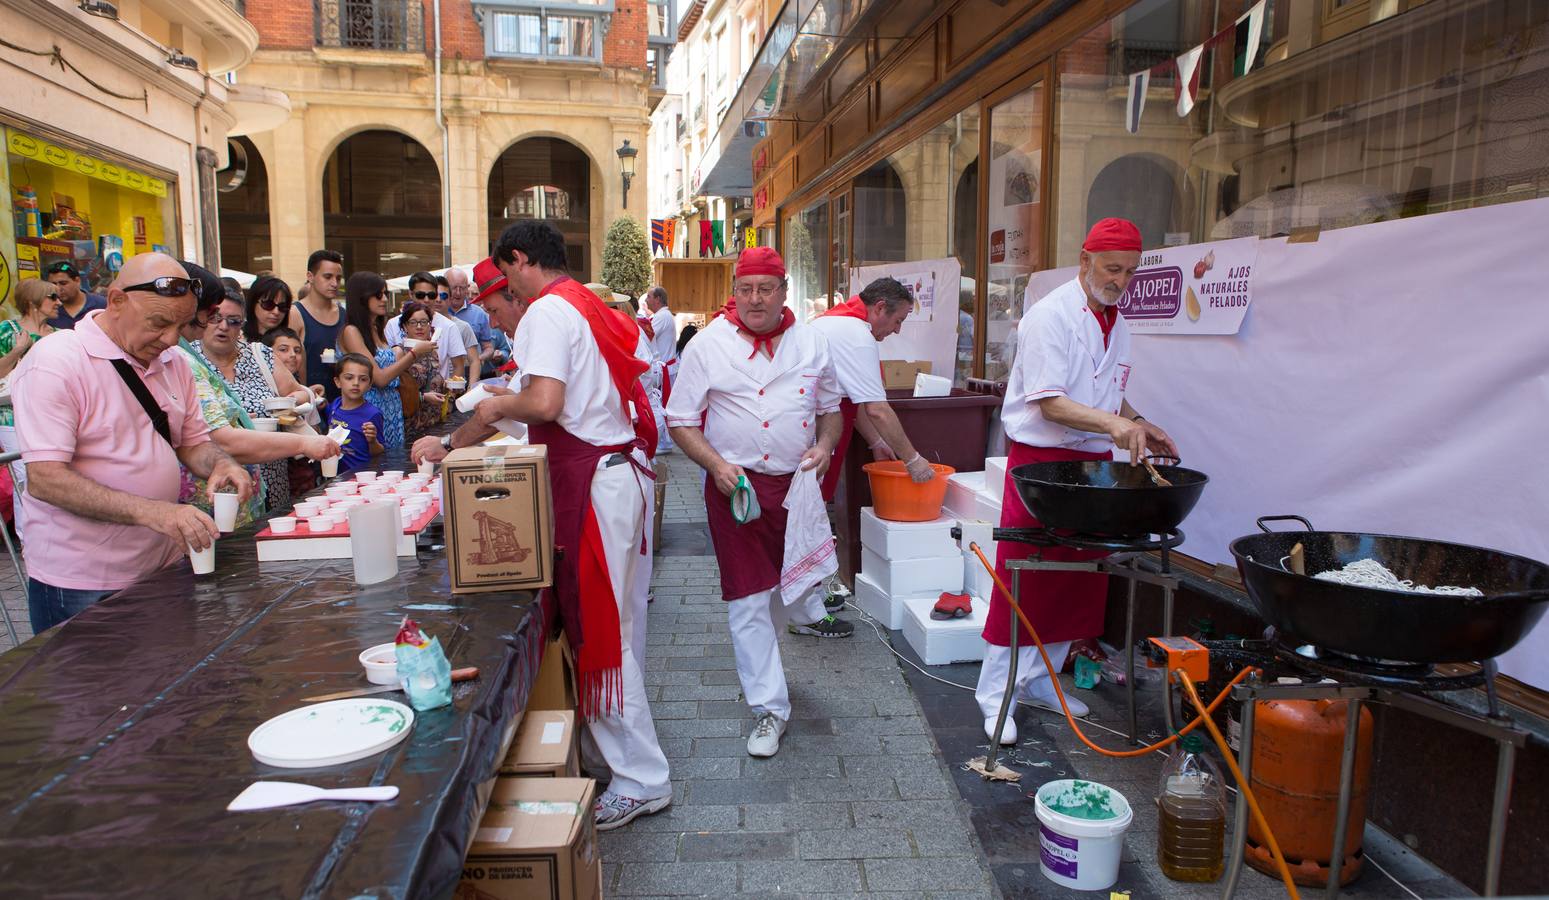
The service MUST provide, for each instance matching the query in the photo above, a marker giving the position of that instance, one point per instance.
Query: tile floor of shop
(869, 794)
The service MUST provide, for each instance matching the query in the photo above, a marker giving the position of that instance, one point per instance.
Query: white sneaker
(1008, 735)
(765, 739)
(1043, 697)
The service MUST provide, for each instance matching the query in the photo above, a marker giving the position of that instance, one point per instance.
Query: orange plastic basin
(898, 499)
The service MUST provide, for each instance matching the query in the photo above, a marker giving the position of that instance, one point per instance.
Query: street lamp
(627, 167)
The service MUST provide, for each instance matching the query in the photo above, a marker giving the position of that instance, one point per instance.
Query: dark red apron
(847, 411)
(1063, 606)
(750, 555)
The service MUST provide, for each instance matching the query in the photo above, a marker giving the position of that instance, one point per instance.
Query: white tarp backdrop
(1391, 378)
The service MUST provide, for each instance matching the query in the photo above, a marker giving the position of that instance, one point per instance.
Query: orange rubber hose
(1060, 692)
(1242, 783)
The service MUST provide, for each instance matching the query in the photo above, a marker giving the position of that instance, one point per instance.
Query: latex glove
(920, 471)
(880, 451)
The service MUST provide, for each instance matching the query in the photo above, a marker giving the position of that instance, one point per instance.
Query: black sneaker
(833, 602)
(826, 627)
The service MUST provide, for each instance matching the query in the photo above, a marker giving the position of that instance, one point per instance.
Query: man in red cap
(756, 405)
(1064, 401)
(580, 396)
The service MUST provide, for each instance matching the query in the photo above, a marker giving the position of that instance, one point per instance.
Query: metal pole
(1167, 631)
(1129, 661)
(1505, 764)
(1239, 836)
(1346, 788)
(1011, 676)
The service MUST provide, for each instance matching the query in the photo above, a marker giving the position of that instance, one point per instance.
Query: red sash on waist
(1063, 606)
(750, 555)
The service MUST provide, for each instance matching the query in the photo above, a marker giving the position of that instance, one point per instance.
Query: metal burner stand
(1124, 563)
(1397, 691)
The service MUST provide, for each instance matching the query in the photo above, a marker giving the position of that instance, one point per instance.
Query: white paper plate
(327, 734)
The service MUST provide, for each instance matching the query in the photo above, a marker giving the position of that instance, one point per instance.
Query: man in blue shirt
(475, 318)
(74, 303)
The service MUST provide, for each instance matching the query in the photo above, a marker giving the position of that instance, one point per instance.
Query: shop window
(1436, 106)
(70, 205)
(382, 204)
(921, 205)
(1015, 246)
(806, 260)
(243, 202)
(571, 31)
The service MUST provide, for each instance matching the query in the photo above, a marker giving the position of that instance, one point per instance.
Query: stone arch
(550, 176)
(1148, 189)
(381, 193)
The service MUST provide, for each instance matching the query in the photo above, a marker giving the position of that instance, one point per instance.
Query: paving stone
(716, 793)
(832, 744)
(708, 637)
(925, 874)
(719, 677)
(682, 817)
(671, 710)
(896, 765)
(903, 813)
(796, 816)
(855, 843)
(742, 845)
(792, 766)
(702, 692)
(677, 879)
(881, 725)
(677, 650)
(907, 743)
(697, 768)
(714, 746)
(801, 879)
(697, 728)
(932, 786)
(944, 837)
(682, 663)
(860, 788)
(630, 846)
(725, 709)
(664, 678)
(676, 748)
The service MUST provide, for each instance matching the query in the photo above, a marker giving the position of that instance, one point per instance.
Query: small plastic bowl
(391, 476)
(280, 404)
(347, 488)
(307, 510)
(365, 477)
(380, 663)
(283, 524)
(263, 423)
(320, 524)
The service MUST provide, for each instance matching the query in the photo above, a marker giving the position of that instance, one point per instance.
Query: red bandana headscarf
(1112, 234)
(854, 307)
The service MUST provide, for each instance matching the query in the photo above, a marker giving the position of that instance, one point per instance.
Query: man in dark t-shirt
(74, 303)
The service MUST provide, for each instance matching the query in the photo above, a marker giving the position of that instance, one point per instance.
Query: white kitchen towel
(809, 539)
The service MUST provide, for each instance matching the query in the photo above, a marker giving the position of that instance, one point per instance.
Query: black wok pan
(1107, 498)
(1386, 624)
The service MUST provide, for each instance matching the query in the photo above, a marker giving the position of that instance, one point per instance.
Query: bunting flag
(718, 237)
(1139, 83)
(704, 239)
(670, 235)
(1248, 34)
(749, 237)
(658, 234)
(1188, 79)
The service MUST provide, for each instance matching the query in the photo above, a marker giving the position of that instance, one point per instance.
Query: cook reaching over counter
(1064, 401)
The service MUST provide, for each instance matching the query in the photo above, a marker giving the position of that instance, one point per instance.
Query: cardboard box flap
(542, 743)
(533, 814)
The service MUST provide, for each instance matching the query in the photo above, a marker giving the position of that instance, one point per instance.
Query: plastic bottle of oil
(1192, 804)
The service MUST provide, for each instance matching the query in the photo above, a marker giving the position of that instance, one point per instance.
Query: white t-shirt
(665, 343)
(762, 412)
(857, 357)
(554, 341)
(1060, 352)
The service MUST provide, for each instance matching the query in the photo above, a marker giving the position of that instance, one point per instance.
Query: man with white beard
(1064, 401)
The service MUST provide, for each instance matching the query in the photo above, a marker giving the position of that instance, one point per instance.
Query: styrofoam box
(976, 579)
(995, 474)
(907, 540)
(941, 642)
(963, 490)
(879, 604)
(925, 576)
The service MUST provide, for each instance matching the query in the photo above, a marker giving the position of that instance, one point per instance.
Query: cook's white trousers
(755, 621)
(627, 740)
(1032, 678)
(640, 576)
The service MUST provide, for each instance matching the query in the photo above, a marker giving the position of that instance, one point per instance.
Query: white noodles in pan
(1372, 574)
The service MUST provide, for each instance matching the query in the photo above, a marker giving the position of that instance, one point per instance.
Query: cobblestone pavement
(15, 604)
(856, 803)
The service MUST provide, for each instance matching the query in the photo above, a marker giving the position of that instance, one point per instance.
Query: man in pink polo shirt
(101, 510)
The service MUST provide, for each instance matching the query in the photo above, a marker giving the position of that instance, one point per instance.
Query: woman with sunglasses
(36, 301)
(234, 388)
(268, 307)
(365, 310)
(426, 373)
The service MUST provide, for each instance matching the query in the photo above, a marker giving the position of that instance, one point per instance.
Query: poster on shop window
(930, 332)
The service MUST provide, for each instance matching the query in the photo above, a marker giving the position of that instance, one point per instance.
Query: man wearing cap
(104, 414)
(579, 393)
(74, 303)
(756, 404)
(1064, 401)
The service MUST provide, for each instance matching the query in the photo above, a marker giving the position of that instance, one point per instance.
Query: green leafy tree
(626, 258)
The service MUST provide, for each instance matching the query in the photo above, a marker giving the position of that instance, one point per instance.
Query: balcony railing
(370, 24)
(239, 5)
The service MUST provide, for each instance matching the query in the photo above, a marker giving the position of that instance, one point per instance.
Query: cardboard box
(554, 688)
(545, 746)
(537, 841)
(898, 374)
(499, 516)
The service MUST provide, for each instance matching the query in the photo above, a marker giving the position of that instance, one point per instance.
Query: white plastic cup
(347, 488)
(468, 401)
(328, 355)
(391, 476)
(282, 524)
(320, 524)
(226, 512)
(427, 467)
(330, 467)
(203, 560)
(308, 510)
(365, 477)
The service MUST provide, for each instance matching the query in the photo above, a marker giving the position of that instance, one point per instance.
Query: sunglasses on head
(170, 286)
(269, 304)
(63, 267)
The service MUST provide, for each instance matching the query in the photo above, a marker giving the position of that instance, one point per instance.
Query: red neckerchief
(1105, 321)
(854, 307)
(765, 340)
(645, 325)
(616, 335)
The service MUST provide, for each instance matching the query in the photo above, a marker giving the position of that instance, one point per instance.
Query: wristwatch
(446, 442)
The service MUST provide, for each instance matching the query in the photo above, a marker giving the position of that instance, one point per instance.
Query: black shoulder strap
(147, 402)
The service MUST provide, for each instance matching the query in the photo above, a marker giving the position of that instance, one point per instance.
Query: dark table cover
(123, 733)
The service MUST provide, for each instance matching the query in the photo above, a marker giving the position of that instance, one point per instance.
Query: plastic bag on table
(423, 669)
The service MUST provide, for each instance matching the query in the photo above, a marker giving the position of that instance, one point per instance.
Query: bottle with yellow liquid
(1192, 804)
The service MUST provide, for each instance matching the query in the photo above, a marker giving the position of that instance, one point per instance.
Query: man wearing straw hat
(756, 405)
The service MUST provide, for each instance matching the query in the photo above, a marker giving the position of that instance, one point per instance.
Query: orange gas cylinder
(1297, 746)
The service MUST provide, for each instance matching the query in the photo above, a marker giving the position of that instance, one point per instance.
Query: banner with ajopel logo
(1195, 289)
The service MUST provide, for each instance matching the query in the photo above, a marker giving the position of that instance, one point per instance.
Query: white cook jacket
(1060, 352)
(762, 413)
(857, 357)
(554, 341)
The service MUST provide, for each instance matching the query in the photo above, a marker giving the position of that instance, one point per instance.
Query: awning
(803, 37)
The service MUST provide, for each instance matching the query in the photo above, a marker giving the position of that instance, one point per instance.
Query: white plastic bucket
(1078, 852)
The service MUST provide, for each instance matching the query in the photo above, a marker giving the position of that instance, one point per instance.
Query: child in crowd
(353, 377)
(288, 352)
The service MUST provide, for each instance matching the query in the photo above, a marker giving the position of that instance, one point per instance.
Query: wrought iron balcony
(370, 24)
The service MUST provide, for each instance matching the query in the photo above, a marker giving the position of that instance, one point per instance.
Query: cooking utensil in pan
(1395, 625)
(1107, 498)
